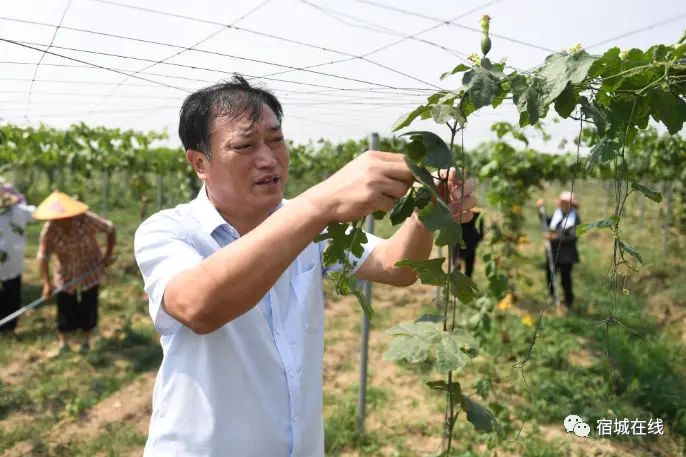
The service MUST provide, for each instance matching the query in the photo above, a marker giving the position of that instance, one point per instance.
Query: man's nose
(265, 157)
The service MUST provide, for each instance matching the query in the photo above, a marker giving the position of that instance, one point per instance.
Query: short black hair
(226, 99)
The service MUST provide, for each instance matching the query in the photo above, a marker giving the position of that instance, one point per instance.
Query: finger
(393, 188)
(462, 191)
(468, 203)
(398, 171)
(392, 157)
(463, 217)
(384, 203)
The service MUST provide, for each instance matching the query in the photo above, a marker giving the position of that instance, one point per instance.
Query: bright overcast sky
(337, 101)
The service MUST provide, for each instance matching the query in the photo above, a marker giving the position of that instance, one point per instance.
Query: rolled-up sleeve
(368, 248)
(162, 250)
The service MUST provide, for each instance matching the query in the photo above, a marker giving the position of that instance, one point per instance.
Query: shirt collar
(209, 217)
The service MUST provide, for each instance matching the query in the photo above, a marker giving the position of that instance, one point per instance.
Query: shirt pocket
(307, 284)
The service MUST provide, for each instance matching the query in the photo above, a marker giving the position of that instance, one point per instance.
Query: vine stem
(450, 421)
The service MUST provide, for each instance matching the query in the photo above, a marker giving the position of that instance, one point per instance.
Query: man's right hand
(374, 181)
(47, 291)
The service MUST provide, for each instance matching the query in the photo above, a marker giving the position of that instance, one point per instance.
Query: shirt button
(307, 328)
(278, 331)
(290, 373)
(295, 418)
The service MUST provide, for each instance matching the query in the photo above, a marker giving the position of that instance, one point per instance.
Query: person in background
(70, 234)
(562, 236)
(472, 234)
(15, 214)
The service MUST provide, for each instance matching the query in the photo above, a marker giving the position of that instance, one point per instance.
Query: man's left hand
(460, 199)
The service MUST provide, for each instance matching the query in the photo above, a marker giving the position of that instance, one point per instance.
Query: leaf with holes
(413, 342)
(482, 89)
(604, 223)
(649, 193)
(453, 350)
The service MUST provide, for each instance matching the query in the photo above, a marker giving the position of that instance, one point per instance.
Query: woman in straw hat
(14, 215)
(562, 236)
(70, 234)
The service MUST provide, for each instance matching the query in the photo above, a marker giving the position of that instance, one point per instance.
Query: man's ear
(198, 161)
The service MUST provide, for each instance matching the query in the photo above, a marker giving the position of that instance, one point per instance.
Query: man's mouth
(269, 179)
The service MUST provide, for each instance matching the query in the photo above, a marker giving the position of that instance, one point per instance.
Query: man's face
(564, 206)
(248, 167)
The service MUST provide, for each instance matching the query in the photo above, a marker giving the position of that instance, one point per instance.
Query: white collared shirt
(254, 386)
(13, 222)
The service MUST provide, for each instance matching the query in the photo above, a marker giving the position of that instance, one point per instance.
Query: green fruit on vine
(485, 45)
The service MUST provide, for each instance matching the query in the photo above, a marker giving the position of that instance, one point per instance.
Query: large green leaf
(482, 89)
(463, 287)
(413, 342)
(442, 114)
(406, 119)
(429, 271)
(562, 69)
(437, 217)
(669, 109)
(603, 223)
(438, 153)
(458, 69)
(605, 150)
(449, 350)
(566, 102)
(482, 418)
(403, 209)
(651, 194)
(422, 197)
(423, 176)
(529, 97)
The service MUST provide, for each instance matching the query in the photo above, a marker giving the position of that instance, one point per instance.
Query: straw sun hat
(59, 206)
(569, 198)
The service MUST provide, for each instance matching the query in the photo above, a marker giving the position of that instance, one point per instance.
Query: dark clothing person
(10, 302)
(563, 243)
(74, 314)
(472, 236)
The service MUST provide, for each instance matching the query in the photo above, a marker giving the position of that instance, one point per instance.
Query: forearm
(411, 242)
(234, 279)
(111, 241)
(44, 268)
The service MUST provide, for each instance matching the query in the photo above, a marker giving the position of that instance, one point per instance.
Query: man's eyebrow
(249, 133)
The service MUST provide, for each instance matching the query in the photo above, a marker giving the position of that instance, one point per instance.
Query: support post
(364, 347)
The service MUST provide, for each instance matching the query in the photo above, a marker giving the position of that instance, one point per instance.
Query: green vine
(618, 93)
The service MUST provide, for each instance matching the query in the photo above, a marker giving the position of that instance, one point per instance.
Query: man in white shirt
(234, 280)
(14, 215)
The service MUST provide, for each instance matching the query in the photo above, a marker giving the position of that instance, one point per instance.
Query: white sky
(96, 96)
